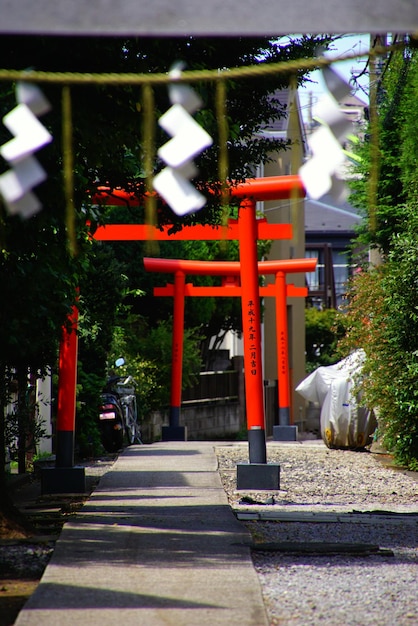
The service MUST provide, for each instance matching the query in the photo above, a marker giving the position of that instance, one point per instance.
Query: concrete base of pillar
(285, 433)
(63, 480)
(174, 433)
(258, 477)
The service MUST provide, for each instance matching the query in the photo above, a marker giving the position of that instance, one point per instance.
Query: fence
(223, 387)
(213, 386)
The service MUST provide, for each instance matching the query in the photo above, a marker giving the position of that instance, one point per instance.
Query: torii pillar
(258, 474)
(175, 432)
(251, 330)
(65, 477)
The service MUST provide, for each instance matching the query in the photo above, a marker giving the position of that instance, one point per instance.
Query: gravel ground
(346, 487)
(309, 589)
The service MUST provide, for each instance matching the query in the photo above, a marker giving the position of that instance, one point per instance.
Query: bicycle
(127, 398)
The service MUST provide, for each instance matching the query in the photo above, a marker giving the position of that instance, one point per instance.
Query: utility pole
(375, 63)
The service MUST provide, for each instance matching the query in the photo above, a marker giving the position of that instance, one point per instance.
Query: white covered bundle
(344, 422)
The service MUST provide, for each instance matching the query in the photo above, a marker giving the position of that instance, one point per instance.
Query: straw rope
(223, 161)
(148, 150)
(147, 81)
(189, 76)
(68, 170)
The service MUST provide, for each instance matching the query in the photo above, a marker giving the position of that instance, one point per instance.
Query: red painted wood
(197, 232)
(177, 343)
(228, 292)
(269, 188)
(282, 342)
(66, 396)
(251, 317)
(226, 268)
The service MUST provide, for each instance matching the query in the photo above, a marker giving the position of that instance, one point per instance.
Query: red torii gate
(258, 474)
(280, 290)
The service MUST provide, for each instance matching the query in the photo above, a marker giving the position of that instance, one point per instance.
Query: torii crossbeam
(230, 269)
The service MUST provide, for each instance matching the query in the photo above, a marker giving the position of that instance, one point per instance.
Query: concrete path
(156, 544)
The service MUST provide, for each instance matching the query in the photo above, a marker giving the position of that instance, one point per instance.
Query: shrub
(382, 318)
(323, 329)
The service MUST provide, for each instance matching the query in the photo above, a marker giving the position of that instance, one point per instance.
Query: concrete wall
(217, 420)
(204, 421)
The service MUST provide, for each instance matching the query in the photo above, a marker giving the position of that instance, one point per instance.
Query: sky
(348, 44)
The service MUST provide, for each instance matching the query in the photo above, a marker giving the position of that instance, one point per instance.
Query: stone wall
(215, 420)
(204, 421)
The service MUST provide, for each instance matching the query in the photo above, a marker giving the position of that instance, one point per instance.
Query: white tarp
(344, 422)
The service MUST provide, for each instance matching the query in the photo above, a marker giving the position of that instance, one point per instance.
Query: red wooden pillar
(64, 477)
(282, 350)
(65, 427)
(175, 432)
(251, 327)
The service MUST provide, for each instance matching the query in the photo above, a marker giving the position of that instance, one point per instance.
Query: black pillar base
(285, 433)
(174, 433)
(284, 416)
(64, 448)
(258, 477)
(63, 480)
(257, 450)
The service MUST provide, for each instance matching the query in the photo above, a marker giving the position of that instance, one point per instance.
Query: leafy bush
(382, 318)
(323, 329)
(383, 304)
(89, 386)
(147, 353)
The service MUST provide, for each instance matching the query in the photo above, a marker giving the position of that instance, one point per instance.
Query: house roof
(280, 124)
(326, 216)
(278, 127)
(353, 101)
(213, 17)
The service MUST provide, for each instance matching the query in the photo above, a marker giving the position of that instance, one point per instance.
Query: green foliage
(382, 313)
(409, 130)
(38, 275)
(89, 386)
(323, 329)
(398, 155)
(101, 290)
(382, 318)
(24, 418)
(147, 353)
(35, 266)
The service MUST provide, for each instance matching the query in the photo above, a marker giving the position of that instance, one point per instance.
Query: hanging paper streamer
(29, 136)
(188, 139)
(322, 173)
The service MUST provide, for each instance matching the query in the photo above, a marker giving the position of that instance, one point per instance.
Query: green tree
(382, 319)
(323, 330)
(382, 309)
(147, 354)
(397, 155)
(37, 273)
(102, 290)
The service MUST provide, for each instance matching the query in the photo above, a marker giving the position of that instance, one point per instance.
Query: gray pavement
(156, 544)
